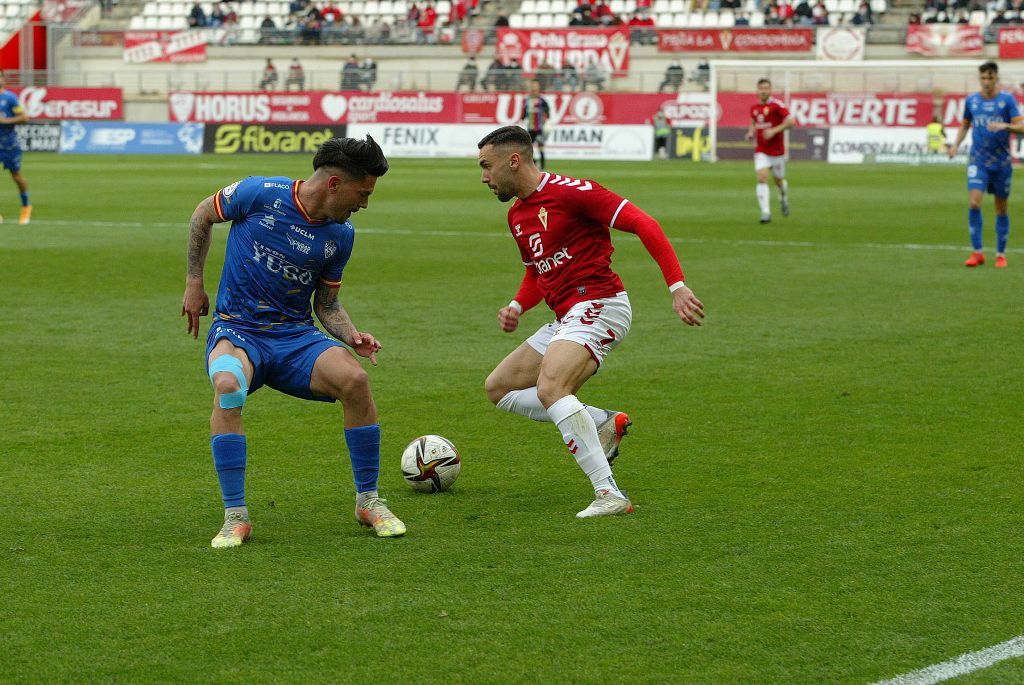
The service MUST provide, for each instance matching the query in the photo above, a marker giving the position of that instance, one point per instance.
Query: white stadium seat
(443, 7)
(152, 23)
(528, 7)
(530, 21)
(515, 21)
(149, 9)
(977, 18)
(618, 6)
(559, 6)
(545, 21)
(756, 19)
(680, 19)
(136, 23)
(726, 19)
(542, 7)
(561, 21)
(695, 20)
(677, 6)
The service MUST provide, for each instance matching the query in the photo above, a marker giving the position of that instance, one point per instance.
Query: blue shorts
(11, 159)
(990, 179)
(282, 360)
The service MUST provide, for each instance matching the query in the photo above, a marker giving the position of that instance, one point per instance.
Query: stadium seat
(546, 21)
(357, 8)
(149, 9)
(618, 6)
(756, 19)
(660, 6)
(542, 7)
(385, 7)
(695, 20)
(401, 7)
(136, 23)
(152, 23)
(530, 21)
(978, 18)
(879, 6)
(560, 7)
(679, 20)
(371, 8)
(726, 19)
(832, 5)
(443, 7)
(515, 21)
(561, 21)
(249, 22)
(846, 6)
(677, 6)
(12, 10)
(163, 9)
(528, 7)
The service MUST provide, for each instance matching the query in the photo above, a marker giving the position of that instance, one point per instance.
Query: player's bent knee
(231, 384)
(495, 389)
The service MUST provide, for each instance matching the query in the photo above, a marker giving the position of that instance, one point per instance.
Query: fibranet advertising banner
(229, 139)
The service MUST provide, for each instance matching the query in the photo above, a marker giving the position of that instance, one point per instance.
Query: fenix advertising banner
(89, 137)
(558, 47)
(736, 40)
(945, 40)
(53, 102)
(165, 46)
(1011, 43)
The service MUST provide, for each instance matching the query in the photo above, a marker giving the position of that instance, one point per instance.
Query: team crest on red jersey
(543, 216)
(518, 229)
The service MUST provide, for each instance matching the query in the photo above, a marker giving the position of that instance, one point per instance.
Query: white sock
(764, 198)
(525, 403)
(784, 190)
(580, 434)
(243, 510)
(364, 498)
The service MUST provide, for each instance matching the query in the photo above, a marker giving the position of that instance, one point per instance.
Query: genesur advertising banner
(52, 102)
(558, 47)
(165, 46)
(945, 40)
(1011, 43)
(736, 40)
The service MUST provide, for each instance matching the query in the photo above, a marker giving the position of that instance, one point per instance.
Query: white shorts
(777, 163)
(599, 325)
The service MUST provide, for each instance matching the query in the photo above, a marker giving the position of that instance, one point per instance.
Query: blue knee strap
(228, 364)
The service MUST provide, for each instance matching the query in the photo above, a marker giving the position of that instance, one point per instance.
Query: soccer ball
(430, 464)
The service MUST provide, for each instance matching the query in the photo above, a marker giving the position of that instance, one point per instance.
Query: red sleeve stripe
(217, 207)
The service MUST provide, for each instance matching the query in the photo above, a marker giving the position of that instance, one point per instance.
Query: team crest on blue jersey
(267, 221)
(230, 189)
(330, 248)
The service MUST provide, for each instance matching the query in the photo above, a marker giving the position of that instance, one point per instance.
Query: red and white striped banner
(945, 40)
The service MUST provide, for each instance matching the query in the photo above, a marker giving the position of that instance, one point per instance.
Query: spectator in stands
(601, 10)
(802, 13)
(585, 18)
(468, 76)
(296, 76)
(197, 17)
(741, 19)
(771, 16)
(702, 74)
(229, 27)
(217, 15)
(269, 80)
(309, 30)
(458, 12)
(330, 13)
(863, 16)
(298, 7)
(914, 18)
(350, 74)
(513, 75)
(641, 29)
(501, 21)
(545, 76)
(962, 17)
(594, 75)
(567, 79)
(267, 30)
(730, 4)
(368, 74)
(819, 14)
(412, 17)
(425, 26)
(494, 79)
(674, 75)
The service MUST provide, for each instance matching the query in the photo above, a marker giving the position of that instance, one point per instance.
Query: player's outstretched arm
(687, 306)
(965, 126)
(337, 322)
(1015, 126)
(196, 302)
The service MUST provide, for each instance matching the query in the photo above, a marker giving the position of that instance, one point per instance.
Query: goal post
(839, 78)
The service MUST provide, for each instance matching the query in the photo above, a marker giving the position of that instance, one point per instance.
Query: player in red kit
(768, 119)
(561, 227)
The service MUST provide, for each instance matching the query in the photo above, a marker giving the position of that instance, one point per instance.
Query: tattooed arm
(337, 322)
(196, 302)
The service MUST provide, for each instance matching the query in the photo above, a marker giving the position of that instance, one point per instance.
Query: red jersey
(765, 116)
(562, 233)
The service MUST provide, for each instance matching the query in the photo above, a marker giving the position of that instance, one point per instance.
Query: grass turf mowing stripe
(962, 665)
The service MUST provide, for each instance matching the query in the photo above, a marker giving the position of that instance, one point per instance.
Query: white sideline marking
(963, 664)
(504, 234)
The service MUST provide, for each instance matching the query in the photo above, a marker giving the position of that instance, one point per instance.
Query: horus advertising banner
(558, 47)
(313, 107)
(165, 46)
(945, 40)
(736, 40)
(53, 102)
(229, 139)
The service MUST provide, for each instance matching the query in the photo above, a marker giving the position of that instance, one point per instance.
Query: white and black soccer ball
(430, 464)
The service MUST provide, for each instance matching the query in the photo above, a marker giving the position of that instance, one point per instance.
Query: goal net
(890, 93)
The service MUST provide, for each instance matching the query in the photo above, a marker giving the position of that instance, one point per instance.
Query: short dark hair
(764, 80)
(357, 158)
(512, 136)
(987, 67)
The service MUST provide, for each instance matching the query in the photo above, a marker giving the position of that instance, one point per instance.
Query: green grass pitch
(827, 475)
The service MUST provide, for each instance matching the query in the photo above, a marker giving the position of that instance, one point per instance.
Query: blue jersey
(9, 107)
(276, 255)
(990, 148)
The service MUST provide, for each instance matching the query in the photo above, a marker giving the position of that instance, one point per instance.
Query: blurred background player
(561, 227)
(769, 118)
(12, 113)
(289, 240)
(536, 113)
(936, 134)
(988, 114)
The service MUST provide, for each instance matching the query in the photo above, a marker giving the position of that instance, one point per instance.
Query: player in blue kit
(990, 168)
(289, 241)
(12, 113)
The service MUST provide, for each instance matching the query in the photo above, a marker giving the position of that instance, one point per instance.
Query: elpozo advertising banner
(229, 139)
(736, 40)
(841, 43)
(165, 46)
(945, 40)
(90, 137)
(558, 47)
(54, 102)
(38, 137)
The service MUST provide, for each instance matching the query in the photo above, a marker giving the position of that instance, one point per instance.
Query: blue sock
(229, 460)
(24, 199)
(1002, 232)
(974, 224)
(364, 451)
